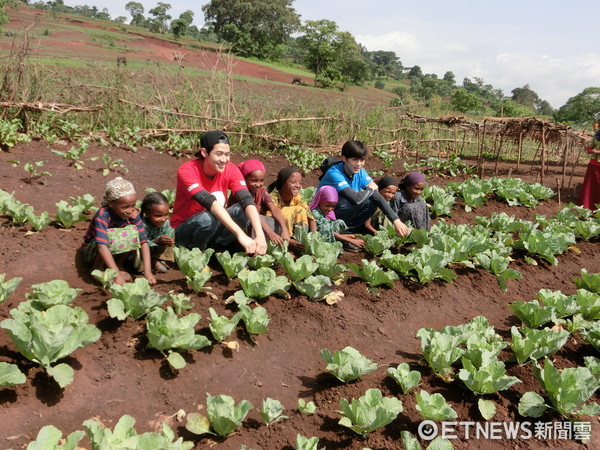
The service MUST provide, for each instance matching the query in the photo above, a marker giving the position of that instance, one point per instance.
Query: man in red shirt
(199, 215)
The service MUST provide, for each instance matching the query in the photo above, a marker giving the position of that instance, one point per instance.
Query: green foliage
(497, 264)
(133, 299)
(588, 281)
(532, 313)
(406, 378)
(255, 320)
(197, 280)
(45, 337)
(55, 292)
(300, 268)
(369, 412)
(464, 101)
(304, 443)
(105, 277)
(166, 331)
(232, 264)
(124, 435)
(581, 109)
(534, 344)
(438, 200)
(374, 275)
(488, 378)
(68, 215)
(10, 375)
(262, 283)
(377, 243)
(568, 389)
(9, 129)
(271, 411)
(434, 406)
(304, 159)
(348, 364)
(8, 287)
(192, 261)
(50, 437)
(74, 155)
(317, 287)
(32, 171)
(168, 193)
(422, 265)
(546, 244)
(307, 408)
(222, 326)
(222, 415)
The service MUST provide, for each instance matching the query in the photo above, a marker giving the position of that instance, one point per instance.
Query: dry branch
(59, 108)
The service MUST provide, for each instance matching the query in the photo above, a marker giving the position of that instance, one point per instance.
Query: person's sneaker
(349, 247)
(160, 267)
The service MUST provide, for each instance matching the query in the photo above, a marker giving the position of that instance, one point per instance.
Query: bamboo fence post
(564, 162)
(543, 159)
(480, 142)
(520, 148)
(498, 153)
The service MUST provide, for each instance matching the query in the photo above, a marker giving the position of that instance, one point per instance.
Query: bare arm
(146, 260)
(223, 216)
(278, 217)
(255, 222)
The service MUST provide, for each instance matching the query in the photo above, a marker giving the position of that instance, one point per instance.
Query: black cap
(211, 138)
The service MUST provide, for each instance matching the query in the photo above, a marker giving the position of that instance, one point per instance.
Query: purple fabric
(413, 178)
(325, 194)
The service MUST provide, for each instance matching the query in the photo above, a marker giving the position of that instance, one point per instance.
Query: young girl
(254, 173)
(322, 206)
(409, 205)
(387, 188)
(116, 233)
(155, 216)
(285, 192)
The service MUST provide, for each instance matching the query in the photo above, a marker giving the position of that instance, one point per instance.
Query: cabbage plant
(223, 416)
(369, 412)
(347, 364)
(10, 375)
(8, 287)
(133, 299)
(45, 337)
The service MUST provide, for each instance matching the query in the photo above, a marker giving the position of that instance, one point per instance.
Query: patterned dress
(415, 212)
(296, 212)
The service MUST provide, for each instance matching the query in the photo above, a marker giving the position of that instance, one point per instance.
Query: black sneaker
(349, 247)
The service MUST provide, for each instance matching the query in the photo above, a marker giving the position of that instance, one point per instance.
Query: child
(322, 206)
(409, 205)
(155, 216)
(254, 173)
(387, 188)
(285, 192)
(116, 233)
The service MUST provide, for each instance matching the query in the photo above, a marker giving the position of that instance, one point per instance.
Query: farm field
(118, 375)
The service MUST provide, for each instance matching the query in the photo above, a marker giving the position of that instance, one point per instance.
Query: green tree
(464, 101)
(510, 108)
(450, 78)
(385, 64)
(160, 23)
(137, 13)
(180, 26)
(525, 96)
(581, 109)
(321, 41)
(256, 28)
(543, 107)
(3, 16)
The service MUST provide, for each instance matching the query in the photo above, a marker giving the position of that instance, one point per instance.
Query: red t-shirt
(191, 180)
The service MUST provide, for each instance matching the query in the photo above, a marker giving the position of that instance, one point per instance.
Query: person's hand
(295, 246)
(248, 243)
(401, 229)
(275, 238)
(357, 241)
(261, 246)
(373, 186)
(122, 278)
(285, 235)
(165, 240)
(150, 277)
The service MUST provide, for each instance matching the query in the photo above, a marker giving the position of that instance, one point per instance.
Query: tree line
(272, 30)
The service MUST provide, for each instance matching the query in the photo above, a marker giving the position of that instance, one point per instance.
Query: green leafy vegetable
(304, 443)
(67, 215)
(306, 408)
(534, 344)
(192, 261)
(434, 406)
(315, 287)
(222, 326)
(298, 269)
(406, 378)
(133, 299)
(532, 313)
(369, 412)
(255, 320)
(374, 275)
(488, 378)
(50, 437)
(588, 281)
(10, 375)
(55, 292)
(48, 336)
(262, 283)
(348, 364)
(222, 415)
(271, 411)
(232, 264)
(105, 277)
(377, 243)
(8, 287)
(197, 281)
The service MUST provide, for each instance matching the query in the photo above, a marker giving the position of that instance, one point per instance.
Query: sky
(550, 45)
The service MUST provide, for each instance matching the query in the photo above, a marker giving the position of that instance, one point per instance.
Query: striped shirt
(105, 219)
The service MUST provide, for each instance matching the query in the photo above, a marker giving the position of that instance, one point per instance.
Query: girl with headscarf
(332, 229)
(275, 227)
(387, 188)
(285, 193)
(409, 205)
(116, 234)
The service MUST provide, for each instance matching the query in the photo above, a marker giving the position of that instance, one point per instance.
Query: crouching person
(199, 215)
